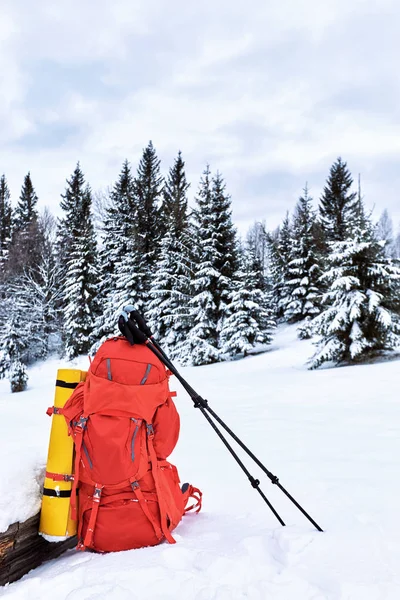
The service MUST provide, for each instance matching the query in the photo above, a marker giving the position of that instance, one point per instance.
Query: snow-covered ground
(332, 437)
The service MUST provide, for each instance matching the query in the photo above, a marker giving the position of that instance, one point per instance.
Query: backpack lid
(125, 379)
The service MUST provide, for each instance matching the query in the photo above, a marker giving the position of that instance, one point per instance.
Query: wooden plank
(23, 549)
(7, 541)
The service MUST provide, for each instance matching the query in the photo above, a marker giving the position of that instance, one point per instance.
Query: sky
(269, 93)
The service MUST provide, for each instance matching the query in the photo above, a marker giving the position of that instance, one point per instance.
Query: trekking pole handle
(129, 329)
(131, 312)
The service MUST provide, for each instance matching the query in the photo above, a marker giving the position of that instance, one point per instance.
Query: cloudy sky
(269, 92)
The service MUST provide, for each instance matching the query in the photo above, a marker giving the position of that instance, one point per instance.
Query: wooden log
(23, 549)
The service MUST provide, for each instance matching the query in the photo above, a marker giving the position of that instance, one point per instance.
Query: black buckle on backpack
(81, 424)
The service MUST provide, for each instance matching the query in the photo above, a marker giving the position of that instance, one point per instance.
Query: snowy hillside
(332, 437)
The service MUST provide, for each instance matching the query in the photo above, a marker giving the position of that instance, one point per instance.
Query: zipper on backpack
(84, 448)
(135, 432)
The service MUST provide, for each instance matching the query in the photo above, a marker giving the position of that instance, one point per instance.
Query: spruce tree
(168, 311)
(257, 243)
(217, 263)
(16, 339)
(362, 303)
(121, 269)
(43, 293)
(18, 377)
(130, 277)
(303, 268)
(14, 334)
(29, 311)
(12, 344)
(280, 252)
(202, 341)
(338, 204)
(384, 232)
(397, 245)
(147, 192)
(175, 203)
(250, 319)
(182, 294)
(5, 222)
(26, 318)
(26, 212)
(71, 202)
(226, 259)
(27, 237)
(273, 270)
(80, 272)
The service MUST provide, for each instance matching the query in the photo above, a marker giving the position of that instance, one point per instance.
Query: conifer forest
(208, 295)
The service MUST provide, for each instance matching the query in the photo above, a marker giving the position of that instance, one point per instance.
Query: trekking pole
(200, 402)
(134, 335)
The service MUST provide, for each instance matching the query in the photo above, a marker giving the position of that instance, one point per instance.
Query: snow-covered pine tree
(216, 266)
(147, 193)
(159, 311)
(27, 238)
(304, 268)
(26, 212)
(174, 207)
(362, 313)
(250, 319)
(29, 317)
(25, 319)
(80, 283)
(384, 232)
(168, 312)
(41, 290)
(202, 341)
(130, 275)
(69, 225)
(338, 204)
(273, 271)
(226, 246)
(14, 334)
(257, 241)
(18, 377)
(280, 245)
(397, 245)
(101, 203)
(9, 339)
(5, 222)
(120, 269)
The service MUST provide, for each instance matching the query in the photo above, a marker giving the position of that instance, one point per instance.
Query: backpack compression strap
(155, 472)
(190, 492)
(93, 517)
(143, 504)
(78, 430)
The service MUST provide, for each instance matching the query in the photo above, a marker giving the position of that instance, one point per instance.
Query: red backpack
(125, 425)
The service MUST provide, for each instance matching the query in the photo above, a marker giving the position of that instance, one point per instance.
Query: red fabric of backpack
(125, 425)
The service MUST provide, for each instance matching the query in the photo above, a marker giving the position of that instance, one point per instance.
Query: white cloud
(260, 89)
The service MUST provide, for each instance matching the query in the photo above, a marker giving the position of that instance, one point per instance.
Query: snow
(333, 438)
